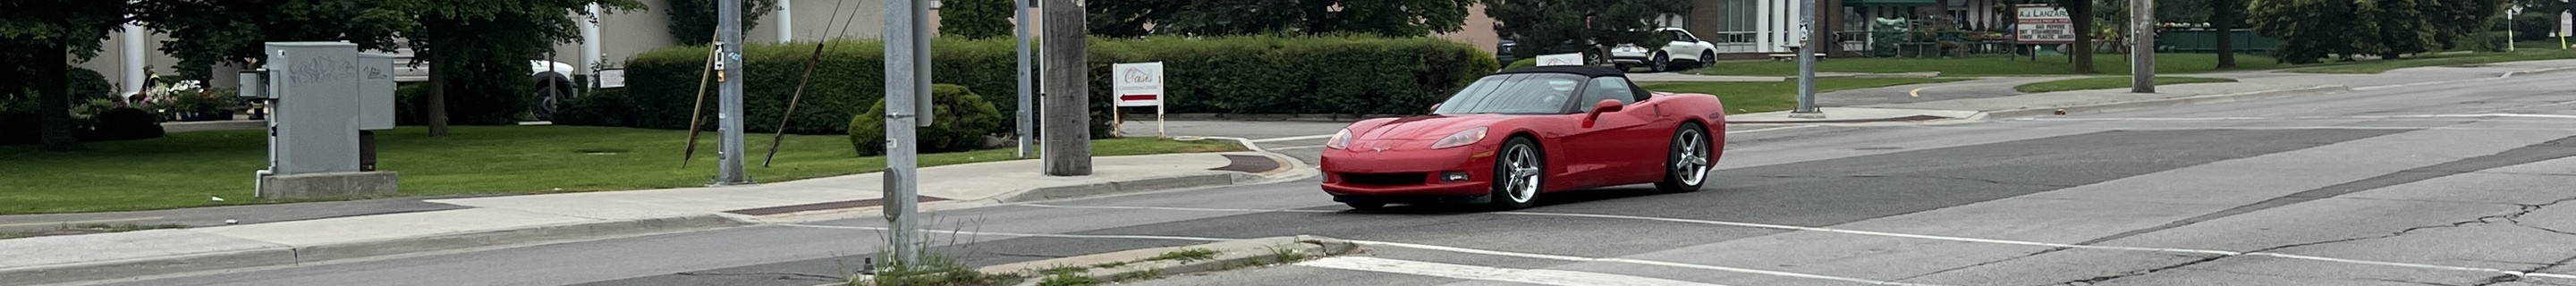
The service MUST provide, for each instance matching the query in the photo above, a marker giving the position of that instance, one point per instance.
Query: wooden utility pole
(1067, 92)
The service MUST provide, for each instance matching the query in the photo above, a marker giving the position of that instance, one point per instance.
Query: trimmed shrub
(1523, 63)
(960, 119)
(602, 107)
(126, 123)
(1243, 75)
(88, 84)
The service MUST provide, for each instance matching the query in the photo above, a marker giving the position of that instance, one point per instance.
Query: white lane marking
(2222, 253)
(1630, 261)
(1313, 137)
(1021, 234)
(1472, 272)
(1413, 246)
(1179, 209)
(1775, 129)
(1297, 147)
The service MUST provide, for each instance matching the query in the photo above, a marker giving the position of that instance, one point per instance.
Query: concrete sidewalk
(519, 220)
(2251, 86)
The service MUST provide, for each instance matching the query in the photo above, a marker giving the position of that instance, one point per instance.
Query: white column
(786, 21)
(1762, 28)
(590, 53)
(133, 52)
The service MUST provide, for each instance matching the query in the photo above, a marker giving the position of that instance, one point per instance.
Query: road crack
(1872, 176)
(2490, 219)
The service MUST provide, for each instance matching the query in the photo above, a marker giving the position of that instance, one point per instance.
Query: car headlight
(1340, 140)
(1462, 138)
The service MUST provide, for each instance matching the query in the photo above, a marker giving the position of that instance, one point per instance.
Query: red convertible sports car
(1517, 134)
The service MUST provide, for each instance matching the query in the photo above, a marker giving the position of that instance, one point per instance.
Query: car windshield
(1529, 93)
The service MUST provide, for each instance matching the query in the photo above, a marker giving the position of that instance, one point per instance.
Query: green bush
(602, 107)
(408, 110)
(1522, 63)
(126, 123)
(960, 119)
(87, 84)
(1243, 75)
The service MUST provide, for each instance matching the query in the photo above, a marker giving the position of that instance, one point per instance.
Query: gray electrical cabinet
(376, 91)
(327, 99)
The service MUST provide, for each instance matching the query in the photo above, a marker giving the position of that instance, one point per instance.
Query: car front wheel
(1518, 174)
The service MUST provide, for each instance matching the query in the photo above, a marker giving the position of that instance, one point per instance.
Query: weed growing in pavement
(1186, 255)
(1110, 264)
(1069, 279)
(930, 267)
(1285, 255)
(1148, 274)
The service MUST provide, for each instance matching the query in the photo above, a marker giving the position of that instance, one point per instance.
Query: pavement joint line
(2221, 253)
(1774, 129)
(1488, 273)
(1414, 246)
(1297, 147)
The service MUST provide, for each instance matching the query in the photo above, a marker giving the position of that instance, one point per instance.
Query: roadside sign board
(2042, 24)
(1139, 84)
(1560, 60)
(2566, 23)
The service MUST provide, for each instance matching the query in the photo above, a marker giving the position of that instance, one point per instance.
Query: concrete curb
(2155, 103)
(130, 268)
(1111, 188)
(2536, 71)
(1270, 117)
(1290, 169)
(1138, 265)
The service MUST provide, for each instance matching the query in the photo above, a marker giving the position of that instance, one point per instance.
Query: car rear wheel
(1686, 165)
(1518, 172)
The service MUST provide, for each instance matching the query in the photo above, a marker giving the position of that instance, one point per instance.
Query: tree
(49, 34)
(2081, 12)
(693, 20)
(2401, 29)
(480, 49)
(2224, 16)
(1539, 24)
(1392, 18)
(2456, 19)
(2309, 30)
(206, 33)
(976, 19)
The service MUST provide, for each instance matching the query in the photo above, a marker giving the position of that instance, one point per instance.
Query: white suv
(1684, 47)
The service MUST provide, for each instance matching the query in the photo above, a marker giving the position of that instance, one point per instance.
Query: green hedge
(1242, 75)
(960, 119)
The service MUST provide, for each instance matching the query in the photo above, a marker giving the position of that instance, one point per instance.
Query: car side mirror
(1605, 106)
(1435, 107)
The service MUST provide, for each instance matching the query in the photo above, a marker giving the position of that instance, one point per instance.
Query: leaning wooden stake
(791, 105)
(694, 121)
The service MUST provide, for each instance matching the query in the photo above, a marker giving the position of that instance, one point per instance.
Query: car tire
(1660, 63)
(1520, 171)
(551, 89)
(1686, 160)
(1366, 206)
(1707, 58)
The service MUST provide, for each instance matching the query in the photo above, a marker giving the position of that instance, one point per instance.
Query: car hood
(1424, 128)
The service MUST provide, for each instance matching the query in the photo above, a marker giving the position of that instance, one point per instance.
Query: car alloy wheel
(1661, 63)
(1706, 58)
(1689, 164)
(1519, 172)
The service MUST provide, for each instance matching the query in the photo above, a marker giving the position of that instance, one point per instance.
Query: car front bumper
(1406, 176)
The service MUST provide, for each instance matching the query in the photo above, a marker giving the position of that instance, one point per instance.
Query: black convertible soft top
(1585, 71)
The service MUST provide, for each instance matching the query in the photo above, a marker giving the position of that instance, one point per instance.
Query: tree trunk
(2224, 18)
(1067, 92)
(436, 103)
(54, 98)
(2083, 16)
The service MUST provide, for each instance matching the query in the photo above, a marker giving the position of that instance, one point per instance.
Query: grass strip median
(1768, 96)
(184, 169)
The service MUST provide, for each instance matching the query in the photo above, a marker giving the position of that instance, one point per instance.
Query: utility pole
(1807, 62)
(2142, 46)
(729, 94)
(1068, 90)
(907, 89)
(1022, 22)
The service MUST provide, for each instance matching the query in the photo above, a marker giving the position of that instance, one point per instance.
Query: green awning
(1890, 3)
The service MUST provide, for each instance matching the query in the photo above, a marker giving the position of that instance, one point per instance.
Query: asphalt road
(2456, 184)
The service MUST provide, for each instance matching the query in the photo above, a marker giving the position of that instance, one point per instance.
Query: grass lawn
(1768, 96)
(2378, 66)
(181, 170)
(2107, 82)
(2109, 64)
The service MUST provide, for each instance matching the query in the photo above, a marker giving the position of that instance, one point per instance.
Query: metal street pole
(1023, 58)
(907, 89)
(2142, 46)
(729, 106)
(1807, 61)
